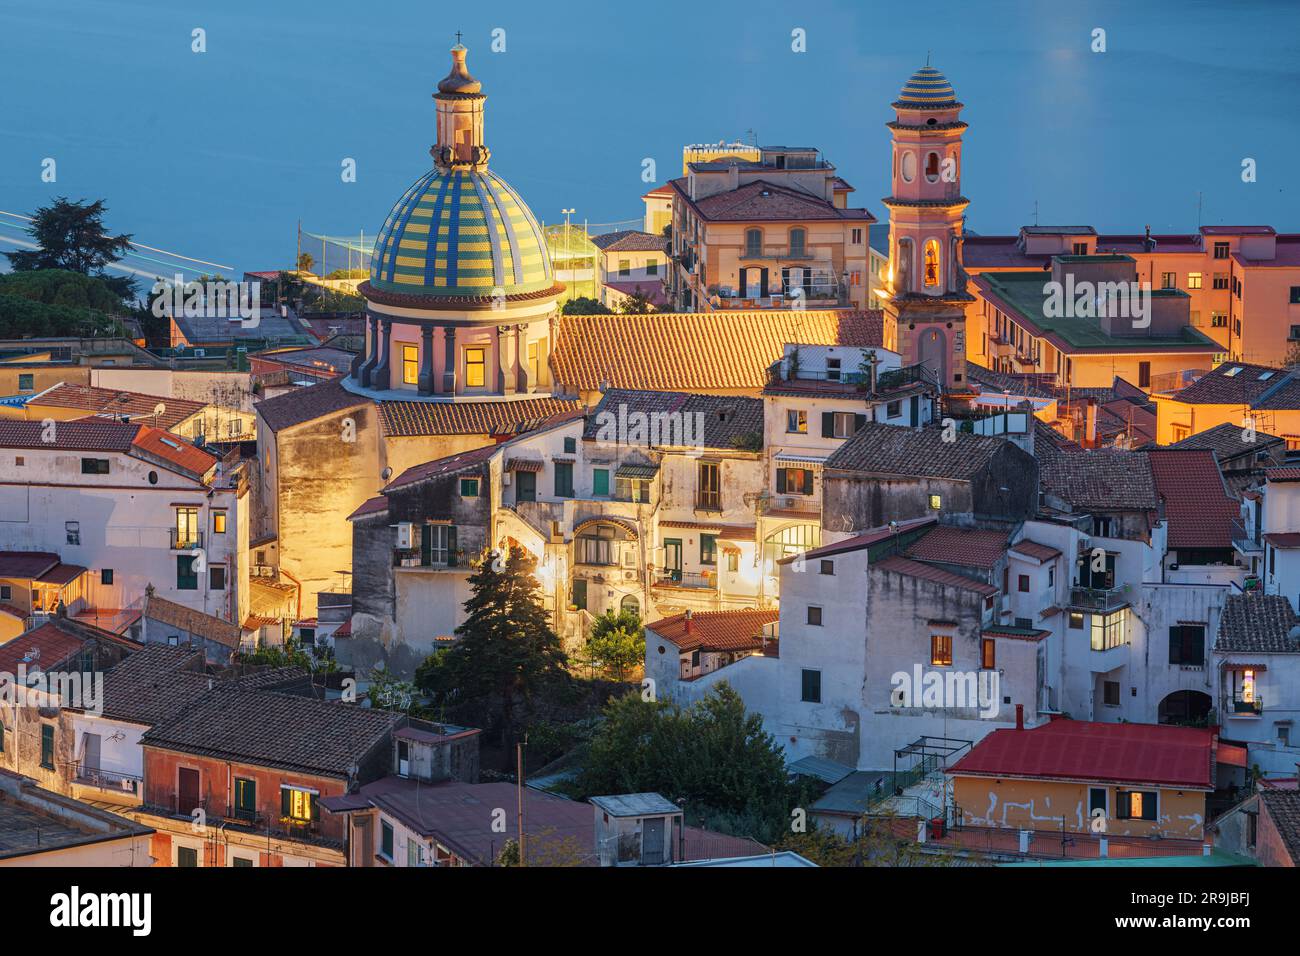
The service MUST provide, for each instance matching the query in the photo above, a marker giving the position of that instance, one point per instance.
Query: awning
(797, 458)
(525, 464)
(1242, 666)
(642, 472)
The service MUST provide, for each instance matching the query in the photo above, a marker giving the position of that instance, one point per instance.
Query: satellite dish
(159, 408)
(386, 474)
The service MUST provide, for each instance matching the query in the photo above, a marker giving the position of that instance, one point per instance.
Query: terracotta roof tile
(924, 572)
(154, 683)
(1033, 549)
(1248, 386)
(724, 420)
(893, 450)
(629, 240)
(864, 540)
(761, 200)
(450, 465)
(501, 417)
(1082, 750)
(1227, 441)
(370, 506)
(1198, 510)
(275, 730)
(716, 630)
(26, 564)
(135, 405)
(676, 351)
(188, 619)
(1283, 808)
(1256, 623)
(1101, 480)
(307, 404)
(71, 436)
(174, 450)
(968, 547)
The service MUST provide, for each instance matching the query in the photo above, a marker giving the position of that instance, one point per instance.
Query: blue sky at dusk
(218, 155)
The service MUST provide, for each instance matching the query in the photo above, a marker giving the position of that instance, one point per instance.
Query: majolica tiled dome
(460, 232)
(927, 87)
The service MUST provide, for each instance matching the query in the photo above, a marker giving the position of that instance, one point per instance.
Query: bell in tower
(926, 295)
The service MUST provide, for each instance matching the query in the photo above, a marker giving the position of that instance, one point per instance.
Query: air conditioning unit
(629, 575)
(405, 535)
(505, 479)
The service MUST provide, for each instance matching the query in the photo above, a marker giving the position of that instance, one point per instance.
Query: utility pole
(519, 786)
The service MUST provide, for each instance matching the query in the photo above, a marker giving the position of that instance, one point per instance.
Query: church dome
(927, 88)
(460, 232)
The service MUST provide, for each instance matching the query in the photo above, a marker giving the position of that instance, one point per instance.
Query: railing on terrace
(107, 779)
(685, 579)
(1240, 705)
(1099, 599)
(185, 540)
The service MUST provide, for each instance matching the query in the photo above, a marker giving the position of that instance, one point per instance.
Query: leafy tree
(585, 305)
(713, 755)
(617, 643)
(71, 235)
(507, 651)
(637, 303)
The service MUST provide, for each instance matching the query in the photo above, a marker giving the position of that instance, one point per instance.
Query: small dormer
(637, 829)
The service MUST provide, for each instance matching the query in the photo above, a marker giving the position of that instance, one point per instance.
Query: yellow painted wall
(1040, 805)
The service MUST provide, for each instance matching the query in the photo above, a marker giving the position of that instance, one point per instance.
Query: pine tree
(506, 648)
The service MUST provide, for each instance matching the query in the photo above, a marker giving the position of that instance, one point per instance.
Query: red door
(187, 790)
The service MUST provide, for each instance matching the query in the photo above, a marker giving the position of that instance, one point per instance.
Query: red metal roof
(1145, 754)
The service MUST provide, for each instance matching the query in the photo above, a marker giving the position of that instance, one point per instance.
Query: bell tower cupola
(460, 100)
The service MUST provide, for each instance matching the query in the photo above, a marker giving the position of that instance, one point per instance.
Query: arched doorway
(932, 352)
(630, 604)
(1186, 707)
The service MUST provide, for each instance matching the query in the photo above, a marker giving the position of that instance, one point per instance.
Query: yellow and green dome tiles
(927, 87)
(460, 232)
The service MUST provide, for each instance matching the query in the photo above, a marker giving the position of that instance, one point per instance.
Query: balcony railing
(708, 501)
(670, 577)
(797, 504)
(186, 540)
(107, 779)
(1247, 708)
(802, 253)
(1098, 599)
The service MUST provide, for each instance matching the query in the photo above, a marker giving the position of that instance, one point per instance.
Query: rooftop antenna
(1199, 197)
(1035, 212)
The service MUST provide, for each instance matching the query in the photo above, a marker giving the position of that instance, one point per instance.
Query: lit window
(796, 420)
(297, 805)
(218, 522)
(931, 263)
(475, 368)
(410, 365)
(936, 502)
(1193, 280)
(941, 649)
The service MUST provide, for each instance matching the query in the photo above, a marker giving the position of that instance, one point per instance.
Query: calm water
(218, 155)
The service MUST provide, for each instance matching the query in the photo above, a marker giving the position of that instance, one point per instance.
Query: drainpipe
(1020, 716)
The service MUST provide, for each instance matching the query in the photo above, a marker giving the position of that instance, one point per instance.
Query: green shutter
(828, 424)
(284, 802)
(426, 544)
(858, 422)
(451, 546)
(807, 481)
(600, 481)
(780, 481)
(580, 593)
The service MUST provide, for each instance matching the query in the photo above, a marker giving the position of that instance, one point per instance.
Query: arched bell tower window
(932, 167)
(908, 166)
(931, 252)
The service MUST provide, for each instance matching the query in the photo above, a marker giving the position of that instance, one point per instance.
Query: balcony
(793, 253)
(673, 578)
(790, 505)
(125, 783)
(708, 501)
(1241, 707)
(1099, 599)
(186, 540)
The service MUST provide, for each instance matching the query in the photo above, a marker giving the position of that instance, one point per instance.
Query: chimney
(687, 617)
(1020, 716)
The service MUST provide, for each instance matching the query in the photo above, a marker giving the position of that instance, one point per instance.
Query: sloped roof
(725, 419)
(1283, 808)
(1101, 480)
(716, 630)
(892, 450)
(1257, 623)
(188, 619)
(1152, 754)
(859, 541)
(500, 417)
(764, 201)
(275, 730)
(154, 683)
(629, 240)
(303, 405)
(442, 466)
(1228, 441)
(1198, 510)
(173, 450)
(968, 547)
(135, 405)
(81, 435)
(896, 564)
(694, 351)
(26, 564)
(1221, 386)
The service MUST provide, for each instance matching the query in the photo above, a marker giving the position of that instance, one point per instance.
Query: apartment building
(772, 233)
(133, 505)
(630, 262)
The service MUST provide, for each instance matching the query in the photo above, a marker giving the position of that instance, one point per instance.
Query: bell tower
(926, 287)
